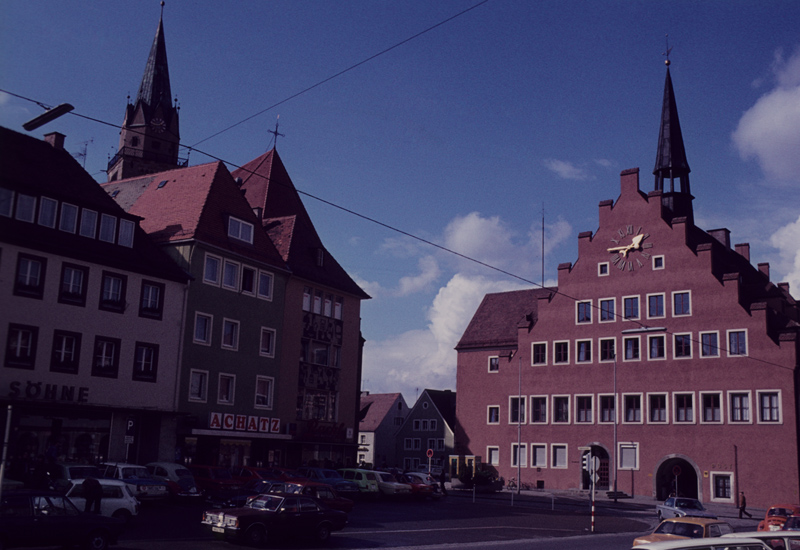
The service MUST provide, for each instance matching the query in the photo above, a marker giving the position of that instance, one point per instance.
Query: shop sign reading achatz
(244, 423)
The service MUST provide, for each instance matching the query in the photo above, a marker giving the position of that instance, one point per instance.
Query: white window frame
(728, 342)
(232, 398)
(493, 455)
(600, 310)
(546, 409)
(759, 393)
(204, 397)
(543, 364)
(577, 352)
(63, 222)
(268, 295)
(489, 364)
(107, 224)
(523, 454)
(691, 304)
(29, 210)
(217, 276)
(667, 408)
(126, 231)
(47, 217)
(236, 227)
(209, 332)
(638, 307)
(578, 303)
(555, 355)
(235, 346)
(575, 412)
(553, 419)
(675, 396)
(624, 407)
(701, 417)
(254, 288)
(625, 339)
(729, 396)
(628, 445)
(523, 409)
(88, 225)
(533, 462)
(712, 480)
(702, 355)
(663, 300)
(675, 348)
(649, 338)
(600, 350)
(489, 415)
(603, 269)
(6, 202)
(271, 381)
(237, 284)
(600, 420)
(554, 447)
(274, 338)
(659, 262)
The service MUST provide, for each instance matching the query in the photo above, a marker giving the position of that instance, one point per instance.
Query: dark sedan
(44, 518)
(272, 515)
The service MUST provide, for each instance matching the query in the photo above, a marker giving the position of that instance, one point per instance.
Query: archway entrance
(676, 476)
(603, 472)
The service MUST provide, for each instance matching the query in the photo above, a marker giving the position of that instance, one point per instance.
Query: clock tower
(150, 135)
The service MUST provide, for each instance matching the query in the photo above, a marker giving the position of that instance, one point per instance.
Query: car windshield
(265, 502)
(681, 529)
(779, 512)
(689, 504)
(139, 472)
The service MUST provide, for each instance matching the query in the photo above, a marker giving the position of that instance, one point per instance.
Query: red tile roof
(378, 406)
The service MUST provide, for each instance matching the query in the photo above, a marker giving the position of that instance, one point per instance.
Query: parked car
(685, 528)
(390, 487)
(32, 517)
(251, 489)
(367, 480)
(180, 481)
(118, 500)
(782, 540)
(215, 481)
(284, 474)
(420, 488)
(143, 485)
(328, 495)
(61, 473)
(247, 473)
(776, 516)
(343, 486)
(737, 543)
(792, 523)
(270, 514)
(679, 507)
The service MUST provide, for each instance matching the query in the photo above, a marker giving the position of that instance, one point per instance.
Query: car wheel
(323, 532)
(256, 535)
(123, 515)
(98, 540)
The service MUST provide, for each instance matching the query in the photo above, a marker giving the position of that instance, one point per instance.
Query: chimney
(764, 268)
(722, 235)
(743, 249)
(56, 139)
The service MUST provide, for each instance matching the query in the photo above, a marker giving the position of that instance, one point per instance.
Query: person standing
(743, 506)
(93, 493)
(442, 479)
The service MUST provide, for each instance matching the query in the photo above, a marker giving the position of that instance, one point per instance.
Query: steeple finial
(665, 54)
(276, 133)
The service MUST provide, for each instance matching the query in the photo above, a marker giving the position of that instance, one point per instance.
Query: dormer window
(241, 230)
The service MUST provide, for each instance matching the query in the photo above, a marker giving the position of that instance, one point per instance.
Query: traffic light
(585, 461)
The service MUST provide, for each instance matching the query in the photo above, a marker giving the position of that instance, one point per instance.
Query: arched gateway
(677, 475)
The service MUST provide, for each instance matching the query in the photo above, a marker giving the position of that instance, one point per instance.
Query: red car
(214, 479)
(776, 516)
(419, 487)
(327, 495)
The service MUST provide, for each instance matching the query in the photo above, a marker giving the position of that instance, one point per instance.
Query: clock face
(631, 250)
(158, 125)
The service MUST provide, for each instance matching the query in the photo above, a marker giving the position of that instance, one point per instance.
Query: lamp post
(616, 416)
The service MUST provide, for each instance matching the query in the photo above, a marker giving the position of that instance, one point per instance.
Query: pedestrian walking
(442, 479)
(93, 493)
(743, 507)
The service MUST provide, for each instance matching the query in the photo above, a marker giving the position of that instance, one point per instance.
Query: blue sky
(462, 136)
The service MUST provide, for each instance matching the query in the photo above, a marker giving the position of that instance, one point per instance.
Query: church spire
(155, 88)
(671, 163)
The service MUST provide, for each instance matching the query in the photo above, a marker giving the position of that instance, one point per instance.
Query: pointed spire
(155, 86)
(671, 160)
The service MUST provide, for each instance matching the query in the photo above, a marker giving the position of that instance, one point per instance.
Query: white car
(389, 486)
(788, 540)
(143, 485)
(178, 478)
(117, 502)
(719, 543)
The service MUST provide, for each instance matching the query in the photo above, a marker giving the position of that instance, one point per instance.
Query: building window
(583, 353)
(602, 269)
(583, 409)
(655, 346)
(248, 281)
(69, 217)
(631, 307)
(88, 223)
(112, 297)
(307, 293)
(737, 342)
(203, 325)
(26, 208)
(66, 352)
(417, 425)
(607, 310)
(108, 228)
(539, 353)
(21, 346)
(145, 362)
(539, 409)
(684, 407)
(264, 385)
(658, 262)
(198, 385)
(769, 407)
(327, 307)
(408, 444)
(211, 270)
(316, 405)
(47, 212)
(631, 348)
(584, 312)
(417, 444)
(628, 456)
(608, 349)
(230, 334)
(655, 306)
(722, 486)
(633, 408)
(433, 424)
(338, 303)
(73, 285)
(561, 352)
(29, 281)
(267, 348)
(561, 409)
(516, 410)
(316, 352)
(607, 408)
(682, 346)
(709, 344)
(265, 285)
(494, 364)
(658, 408)
(238, 229)
(712, 411)
(318, 302)
(681, 304)
(126, 228)
(6, 202)
(740, 407)
(230, 275)
(493, 456)
(493, 414)
(105, 362)
(151, 304)
(559, 452)
(519, 455)
(226, 389)
(539, 455)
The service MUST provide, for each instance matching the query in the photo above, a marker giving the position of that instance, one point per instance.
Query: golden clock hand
(637, 241)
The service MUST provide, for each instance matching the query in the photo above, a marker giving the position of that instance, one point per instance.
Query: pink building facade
(663, 353)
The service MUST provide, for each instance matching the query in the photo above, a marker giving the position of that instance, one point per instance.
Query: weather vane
(666, 53)
(275, 132)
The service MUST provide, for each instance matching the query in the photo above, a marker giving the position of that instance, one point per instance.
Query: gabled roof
(496, 321)
(194, 203)
(445, 403)
(34, 167)
(267, 186)
(375, 407)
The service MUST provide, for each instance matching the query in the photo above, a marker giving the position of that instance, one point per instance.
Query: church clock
(632, 250)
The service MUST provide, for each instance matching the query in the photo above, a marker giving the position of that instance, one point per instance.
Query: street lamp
(47, 116)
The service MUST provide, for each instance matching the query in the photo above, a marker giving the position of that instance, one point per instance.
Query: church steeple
(150, 135)
(671, 163)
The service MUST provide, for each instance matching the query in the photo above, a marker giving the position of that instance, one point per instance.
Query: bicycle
(511, 484)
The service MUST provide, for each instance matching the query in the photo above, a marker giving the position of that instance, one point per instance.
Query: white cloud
(429, 272)
(566, 170)
(770, 130)
(787, 241)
